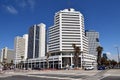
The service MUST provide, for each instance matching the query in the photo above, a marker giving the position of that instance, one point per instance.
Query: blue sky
(16, 16)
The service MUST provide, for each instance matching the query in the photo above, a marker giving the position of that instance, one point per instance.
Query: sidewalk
(59, 72)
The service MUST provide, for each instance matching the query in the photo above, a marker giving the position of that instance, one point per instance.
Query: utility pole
(118, 55)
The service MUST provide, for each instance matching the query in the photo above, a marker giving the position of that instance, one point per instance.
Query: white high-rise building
(21, 47)
(68, 29)
(7, 55)
(36, 42)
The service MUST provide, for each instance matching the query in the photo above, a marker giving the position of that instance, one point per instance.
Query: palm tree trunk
(47, 64)
(99, 59)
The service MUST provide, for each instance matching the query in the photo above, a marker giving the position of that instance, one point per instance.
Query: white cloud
(108, 53)
(11, 9)
(31, 3)
(26, 3)
(20, 5)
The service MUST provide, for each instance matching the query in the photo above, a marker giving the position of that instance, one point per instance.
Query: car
(89, 68)
(101, 68)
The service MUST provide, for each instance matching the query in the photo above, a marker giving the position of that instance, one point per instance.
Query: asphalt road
(111, 78)
(38, 78)
(61, 75)
(26, 78)
(64, 75)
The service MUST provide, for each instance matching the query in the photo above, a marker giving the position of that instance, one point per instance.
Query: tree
(11, 63)
(113, 63)
(105, 62)
(76, 55)
(99, 49)
(47, 57)
(4, 63)
(22, 57)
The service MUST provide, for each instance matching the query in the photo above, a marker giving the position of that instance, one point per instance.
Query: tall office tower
(36, 41)
(93, 41)
(21, 47)
(68, 29)
(7, 55)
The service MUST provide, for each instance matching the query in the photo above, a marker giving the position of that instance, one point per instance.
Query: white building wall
(21, 46)
(42, 40)
(10, 55)
(54, 39)
(68, 29)
(1, 55)
(7, 54)
(89, 60)
(60, 30)
(25, 36)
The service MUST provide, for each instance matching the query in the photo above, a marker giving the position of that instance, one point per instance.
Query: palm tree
(113, 63)
(47, 57)
(105, 62)
(99, 49)
(4, 63)
(22, 57)
(11, 63)
(76, 55)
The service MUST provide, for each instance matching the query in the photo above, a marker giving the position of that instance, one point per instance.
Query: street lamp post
(118, 55)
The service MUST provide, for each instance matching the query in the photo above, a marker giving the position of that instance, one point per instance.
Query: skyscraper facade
(36, 41)
(21, 47)
(93, 41)
(68, 29)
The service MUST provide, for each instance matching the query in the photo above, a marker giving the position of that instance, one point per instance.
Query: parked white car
(89, 68)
